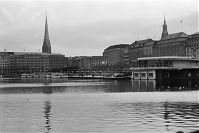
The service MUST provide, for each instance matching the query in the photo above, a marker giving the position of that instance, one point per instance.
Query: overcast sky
(87, 27)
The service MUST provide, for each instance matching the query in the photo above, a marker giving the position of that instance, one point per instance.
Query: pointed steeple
(164, 20)
(164, 31)
(46, 48)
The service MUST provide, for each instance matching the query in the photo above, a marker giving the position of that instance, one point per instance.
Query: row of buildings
(124, 56)
(115, 58)
(174, 56)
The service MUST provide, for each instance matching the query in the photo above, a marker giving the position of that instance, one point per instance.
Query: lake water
(63, 105)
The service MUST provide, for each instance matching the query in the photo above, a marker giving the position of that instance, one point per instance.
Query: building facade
(57, 61)
(99, 63)
(30, 62)
(73, 62)
(88, 63)
(85, 63)
(7, 63)
(192, 45)
(142, 48)
(117, 56)
(171, 45)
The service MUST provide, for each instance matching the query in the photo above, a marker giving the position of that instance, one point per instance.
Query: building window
(136, 75)
(150, 75)
(143, 75)
(197, 53)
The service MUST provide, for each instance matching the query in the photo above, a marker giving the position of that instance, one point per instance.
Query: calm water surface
(62, 105)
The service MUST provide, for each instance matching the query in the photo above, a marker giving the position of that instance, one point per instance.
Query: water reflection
(164, 85)
(50, 90)
(102, 111)
(32, 90)
(32, 80)
(169, 116)
(179, 114)
(47, 115)
(166, 115)
(49, 86)
(143, 85)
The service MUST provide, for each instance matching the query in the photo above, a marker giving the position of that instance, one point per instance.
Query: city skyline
(88, 27)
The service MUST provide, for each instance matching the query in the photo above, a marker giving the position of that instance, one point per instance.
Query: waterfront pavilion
(166, 67)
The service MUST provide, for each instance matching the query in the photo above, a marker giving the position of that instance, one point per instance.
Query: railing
(169, 68)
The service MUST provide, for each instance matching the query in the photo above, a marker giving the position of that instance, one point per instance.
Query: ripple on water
(88, 107)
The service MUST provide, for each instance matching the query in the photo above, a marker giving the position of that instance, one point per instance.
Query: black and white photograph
(99, 66)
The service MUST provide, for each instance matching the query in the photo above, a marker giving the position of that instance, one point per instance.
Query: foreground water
(62, 105)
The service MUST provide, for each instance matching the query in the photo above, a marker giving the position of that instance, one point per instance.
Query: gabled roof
(175, 35)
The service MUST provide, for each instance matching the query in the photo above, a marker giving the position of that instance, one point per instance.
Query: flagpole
(181, 24)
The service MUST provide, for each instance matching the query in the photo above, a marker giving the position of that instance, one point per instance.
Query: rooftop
(168, 58)
(118, 46)
(176, 35)
(194, 34)
(143, 41)
(34, 53)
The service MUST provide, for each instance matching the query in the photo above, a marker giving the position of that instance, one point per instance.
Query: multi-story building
(192, 45)
(6, 63)
(117, 56)
(29, 62)
(171, 45)
(99, 63)
(85, 63)
(73, 62)
(57, 61)
(142, 48)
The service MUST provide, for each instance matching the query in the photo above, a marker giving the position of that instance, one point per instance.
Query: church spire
(46, 48)
(164, 31)
(164, 20)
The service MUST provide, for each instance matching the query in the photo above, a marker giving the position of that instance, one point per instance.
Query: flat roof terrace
(174, 58)
(166, 62)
